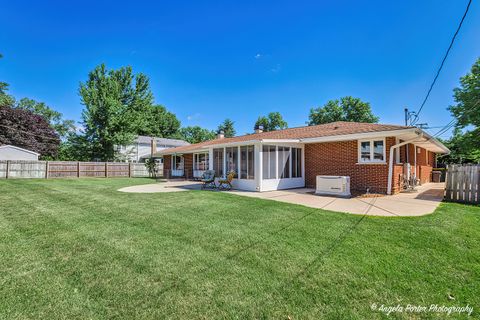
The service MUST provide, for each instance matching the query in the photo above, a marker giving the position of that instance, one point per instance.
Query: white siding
(12, 153)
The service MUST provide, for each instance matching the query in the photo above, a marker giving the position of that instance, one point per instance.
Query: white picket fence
(462, 183)
(70, 169)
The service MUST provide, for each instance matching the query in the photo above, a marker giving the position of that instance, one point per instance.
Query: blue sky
(209, 60)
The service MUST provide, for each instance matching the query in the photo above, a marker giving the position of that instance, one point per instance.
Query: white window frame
(196, 156)
(372, 160)
(174, 162)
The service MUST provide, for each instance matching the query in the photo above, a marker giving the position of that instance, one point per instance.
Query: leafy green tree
(55, 118)
(5, 98)
(227, 126)
(115, 102)
(195, 134)
(159, 123)
(346, 109)
(75, 147)
(465, 143)
(273, 121)
(461, 150)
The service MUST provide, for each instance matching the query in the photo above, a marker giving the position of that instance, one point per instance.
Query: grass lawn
(81, 249)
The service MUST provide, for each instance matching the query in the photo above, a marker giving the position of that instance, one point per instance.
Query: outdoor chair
(226, 183)
(208, 179)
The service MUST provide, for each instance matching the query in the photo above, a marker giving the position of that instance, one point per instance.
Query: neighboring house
(145, 147)
(292, 158)
(9, 152)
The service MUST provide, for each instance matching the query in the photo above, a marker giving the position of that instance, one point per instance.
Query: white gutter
(359, 136)
(390, 160)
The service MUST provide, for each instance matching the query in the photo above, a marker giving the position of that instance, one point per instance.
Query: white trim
(390, 160)
(344, 137)
(363, 136)
(372, 160)
(20, 149)
(280, 140)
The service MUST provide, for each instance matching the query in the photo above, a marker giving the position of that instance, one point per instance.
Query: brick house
(372, 155)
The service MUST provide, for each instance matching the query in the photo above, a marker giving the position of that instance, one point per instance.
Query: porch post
(210, 158)
(224, 161)
(258, 166)
(276, 163)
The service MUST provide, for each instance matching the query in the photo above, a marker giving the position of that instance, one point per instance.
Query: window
(200, 161)
(247, 163)
(218, 162)
(283, 162)
(372, 151)
(269, 162)
(231, 155)
(296, 162)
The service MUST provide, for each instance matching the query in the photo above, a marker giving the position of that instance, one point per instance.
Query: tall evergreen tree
(227, 126)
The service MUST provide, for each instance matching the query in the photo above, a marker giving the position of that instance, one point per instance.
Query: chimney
(153, 147)
(258, 129)
(220, 134)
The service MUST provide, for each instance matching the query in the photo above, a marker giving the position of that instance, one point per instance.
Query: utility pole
(406, 116)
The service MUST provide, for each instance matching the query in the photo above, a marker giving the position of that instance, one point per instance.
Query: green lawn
(81, 249)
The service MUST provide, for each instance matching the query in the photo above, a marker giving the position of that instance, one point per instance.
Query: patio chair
(208, 179)
(226, 183)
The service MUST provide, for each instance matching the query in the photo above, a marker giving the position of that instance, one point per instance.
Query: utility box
(436, 176)
(333, 186)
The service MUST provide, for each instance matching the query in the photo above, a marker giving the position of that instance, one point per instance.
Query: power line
(441, 65)
(454, 121)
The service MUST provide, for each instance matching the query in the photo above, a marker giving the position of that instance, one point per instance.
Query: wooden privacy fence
(70, 169)
(463, 183)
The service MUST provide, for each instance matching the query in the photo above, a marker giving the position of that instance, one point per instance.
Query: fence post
(78, 169)
(129, 169)
(106, 169)
(46, 170)
(7, 173)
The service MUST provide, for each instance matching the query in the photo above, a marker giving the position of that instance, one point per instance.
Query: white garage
(9, 152)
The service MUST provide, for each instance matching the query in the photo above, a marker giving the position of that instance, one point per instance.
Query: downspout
(415, 162)
(390, 160)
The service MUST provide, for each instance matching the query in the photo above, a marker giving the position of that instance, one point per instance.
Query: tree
(195, 134)
(55, 118)
(465, 143)
(227, 127)
(461, 150)
(159, 123)
(23, 128)
(115, 102)
(75, 147)
(5, 98)
(346, 109)
(273, 121)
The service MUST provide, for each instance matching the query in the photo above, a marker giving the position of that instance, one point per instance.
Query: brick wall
(187, 161)
(341, 158)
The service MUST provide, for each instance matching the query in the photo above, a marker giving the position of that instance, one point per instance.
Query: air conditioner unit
(333, 185)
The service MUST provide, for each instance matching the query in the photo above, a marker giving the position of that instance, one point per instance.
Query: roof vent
(220, 134)
(258, 129)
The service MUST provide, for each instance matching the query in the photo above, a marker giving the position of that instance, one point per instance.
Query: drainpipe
(390, 160)
(415, 162)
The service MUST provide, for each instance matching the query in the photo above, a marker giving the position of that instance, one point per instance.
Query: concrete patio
(424, 201)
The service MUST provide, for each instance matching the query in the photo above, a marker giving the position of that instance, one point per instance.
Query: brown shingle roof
(322, 130)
